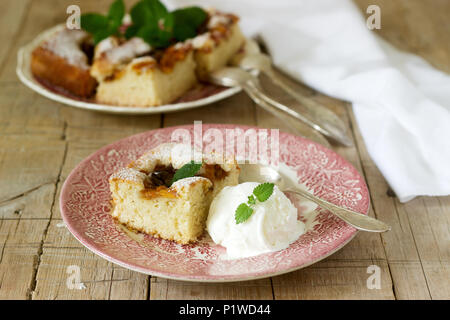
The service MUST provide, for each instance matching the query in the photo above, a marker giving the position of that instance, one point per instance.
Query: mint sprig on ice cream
(260, 194)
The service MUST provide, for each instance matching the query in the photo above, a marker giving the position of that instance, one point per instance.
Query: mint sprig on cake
(151, 21)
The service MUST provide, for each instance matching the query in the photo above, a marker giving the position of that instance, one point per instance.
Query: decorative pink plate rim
(341, 233)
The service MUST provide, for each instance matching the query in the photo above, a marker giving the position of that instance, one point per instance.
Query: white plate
(24, 73)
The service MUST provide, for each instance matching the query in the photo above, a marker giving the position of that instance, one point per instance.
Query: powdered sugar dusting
(202, 40)
(105, 45)
(66, 44)
(128, 174)
(127, 51)
(187, 182)
(178, 154)
(218, 19)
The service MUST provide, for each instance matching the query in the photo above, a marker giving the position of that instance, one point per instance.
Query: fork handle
(355, 219)
(332, 126)
(263, 98)
(274, 107)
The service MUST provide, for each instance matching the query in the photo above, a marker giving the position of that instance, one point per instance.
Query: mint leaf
(186, 171)
(101, 34)
(101, 26)
(187, 22)
(156, 7)
(151, 22)
(149, 33)
(182, 34)
(159, 27)
(93, 22)
(148, 12)
(131, 31)
(140, 14)
(154, 36)
(165, 30)
(116, 11)
(263, 191)
(243, 212)
(193, 15)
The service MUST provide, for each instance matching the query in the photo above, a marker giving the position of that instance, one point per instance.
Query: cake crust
(48, 66)
(146, 82)
(61, 62)
(221, 41)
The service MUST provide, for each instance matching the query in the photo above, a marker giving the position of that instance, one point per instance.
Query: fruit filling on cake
(151, 196)
(148, 58)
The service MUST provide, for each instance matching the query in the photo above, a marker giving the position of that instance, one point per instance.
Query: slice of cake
(151, 80)
(145, 200)
(61, 62)
(221, 40)
(112, 54)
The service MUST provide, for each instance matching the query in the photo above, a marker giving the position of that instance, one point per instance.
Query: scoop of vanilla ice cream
(273, 225)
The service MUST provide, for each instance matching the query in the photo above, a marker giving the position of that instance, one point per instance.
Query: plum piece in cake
(145, 200)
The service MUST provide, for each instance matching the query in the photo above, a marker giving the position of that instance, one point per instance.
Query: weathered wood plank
(29, 169)
(430, 224)
(163, 289)
(334, 279)
(420, 27)
(238, 109)
(20, 242)
(24, 112)
(95, 121)
(63, 256)
(12, 15)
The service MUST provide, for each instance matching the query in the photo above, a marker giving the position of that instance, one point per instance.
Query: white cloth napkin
(401, 103)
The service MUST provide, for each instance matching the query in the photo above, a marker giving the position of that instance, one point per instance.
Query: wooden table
(41, 142)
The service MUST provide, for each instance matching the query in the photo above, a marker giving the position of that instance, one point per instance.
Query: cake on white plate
(149, 80)
(129, 71)
(145, 199)
(63, 62)
(221, 41)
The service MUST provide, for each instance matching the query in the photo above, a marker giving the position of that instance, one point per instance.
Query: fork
(237, 77)
(319, 117)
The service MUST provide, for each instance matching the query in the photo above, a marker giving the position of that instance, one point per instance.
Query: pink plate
(85, 206)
